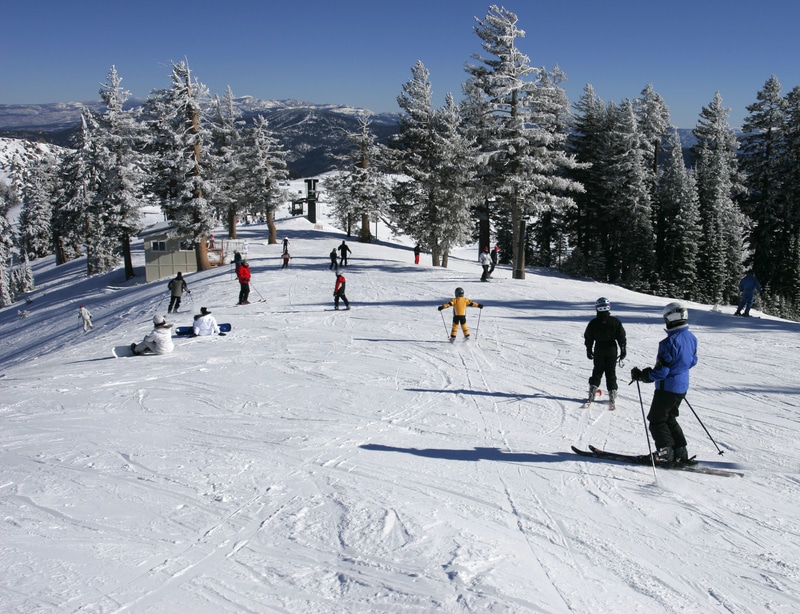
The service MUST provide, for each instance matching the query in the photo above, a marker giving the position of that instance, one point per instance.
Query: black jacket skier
(602, 336)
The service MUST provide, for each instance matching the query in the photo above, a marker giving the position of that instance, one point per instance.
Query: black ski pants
(605, 363)
(663, 419)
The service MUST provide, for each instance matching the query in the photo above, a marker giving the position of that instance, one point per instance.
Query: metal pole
(646, 434)
(719, 451)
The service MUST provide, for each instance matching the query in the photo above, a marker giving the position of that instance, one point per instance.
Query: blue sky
(360, 52)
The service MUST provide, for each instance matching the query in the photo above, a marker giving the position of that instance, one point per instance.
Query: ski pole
(646, 434)
(478, 325)
(257, 292)
(444, 323)
(720, 452)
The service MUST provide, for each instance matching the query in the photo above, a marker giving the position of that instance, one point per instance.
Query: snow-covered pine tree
(763, 157)
(678, 228)
(179, 176)
(524, 171)
(71, 202)
(8, 199)
(360, 190)
(652, 116)
(718, 183)
(36, 235)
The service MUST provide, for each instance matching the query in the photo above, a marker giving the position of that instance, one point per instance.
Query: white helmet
(602, 304)
(675, 314)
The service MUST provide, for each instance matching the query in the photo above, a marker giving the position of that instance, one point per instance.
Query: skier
(677, 353)
(243, 275)
(749, 286)
(85, 315)
(176, 288)
(495, 255)
(205, 324)
(602, 336)
(459, 305)
(285, 244)
(486, 261)
(338, 292)
(334, 262)
(417, 251)
(343, 251)
(159, 341)
(286, 257)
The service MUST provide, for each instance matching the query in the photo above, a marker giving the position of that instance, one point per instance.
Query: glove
(480, 306)
(589, 354)
(440, 307)
(636, 373)
(623, 352)
(641, 375)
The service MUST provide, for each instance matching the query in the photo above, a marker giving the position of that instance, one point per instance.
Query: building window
(158, 246)
(187, 246)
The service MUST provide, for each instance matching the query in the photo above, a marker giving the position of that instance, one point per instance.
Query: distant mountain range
(312, 134)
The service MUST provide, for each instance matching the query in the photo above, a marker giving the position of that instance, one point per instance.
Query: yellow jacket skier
(459, 305)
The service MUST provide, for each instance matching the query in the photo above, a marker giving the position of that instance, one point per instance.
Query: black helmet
(602, 304)
(459, 291)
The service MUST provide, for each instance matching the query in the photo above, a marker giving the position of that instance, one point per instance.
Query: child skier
(602, 336)
(286, 257)
(459, 305)
(85, 315)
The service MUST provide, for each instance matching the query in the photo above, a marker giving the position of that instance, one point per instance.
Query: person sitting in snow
(158, 341)
(85, 315)
(205, 324)
(459, 305)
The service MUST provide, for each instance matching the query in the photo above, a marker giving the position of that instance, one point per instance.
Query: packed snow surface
(316, 461)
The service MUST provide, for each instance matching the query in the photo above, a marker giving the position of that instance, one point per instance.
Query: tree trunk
(366, 236)
(232, 223)
(273, 230)
(435, 256)
(445, 258)
(126, 256)
(201, 253)
(518, 240)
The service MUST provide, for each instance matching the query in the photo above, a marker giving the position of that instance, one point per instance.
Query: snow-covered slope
(355, 461)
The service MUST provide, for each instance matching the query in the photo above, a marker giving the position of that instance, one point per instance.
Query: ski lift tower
(311, 199)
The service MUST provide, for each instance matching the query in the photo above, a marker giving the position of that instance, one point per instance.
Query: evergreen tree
(35, 229)
(8, 199)
(180, 176)
(71, 204)
(678, 228)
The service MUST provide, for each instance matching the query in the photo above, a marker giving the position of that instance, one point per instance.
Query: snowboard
(186, 331)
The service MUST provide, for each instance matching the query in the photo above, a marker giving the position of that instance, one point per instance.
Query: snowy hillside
(315, 461)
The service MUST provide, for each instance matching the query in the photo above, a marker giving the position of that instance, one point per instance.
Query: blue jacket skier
(676, 355)
(748, 286)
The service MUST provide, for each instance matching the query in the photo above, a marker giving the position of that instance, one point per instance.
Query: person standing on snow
(676, 355)
(243, 275)
(334, 262)
(749, 286)
(205, 324)
(176, 288)
(338, 292)
(459, 305)
(494, 256)
(85, 315)
(286, 257)
(486, 261)
(417, 251)
(602, 336)
(343, 251)
(159, 341)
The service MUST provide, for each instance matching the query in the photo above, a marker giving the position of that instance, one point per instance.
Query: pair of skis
(645, 459)
(612, 403)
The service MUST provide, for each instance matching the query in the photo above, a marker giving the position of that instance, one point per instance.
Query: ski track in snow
(356, 461)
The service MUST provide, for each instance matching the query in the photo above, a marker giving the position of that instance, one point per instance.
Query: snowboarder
(459, 305)
(486, 261)
(343, 251)
(334, 262)
(338, 292)
(494, 255)
(286, 257)
(417, 251)
(677, 353)
(243, 275)
(602, 336)
(159, 341)
(176, 288)
(85, 315)
(749, 286)
(205, 324)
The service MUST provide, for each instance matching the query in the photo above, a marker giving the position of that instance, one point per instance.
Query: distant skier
(602, 336)
(339, 292)
(343, 251)
(749, 286)
(159, 341)
(677, 353)
(286, 257)
(495, 254)
(459, 305)
(85, 315)
(417, 251)
(243, 275)
(205, 324)
(486, 261)
(285, 244)
(176, 288)
(334, 260)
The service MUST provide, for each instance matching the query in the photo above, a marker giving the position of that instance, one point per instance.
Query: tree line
(597, 189)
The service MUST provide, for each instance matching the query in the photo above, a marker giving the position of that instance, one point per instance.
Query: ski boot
(612, 400)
